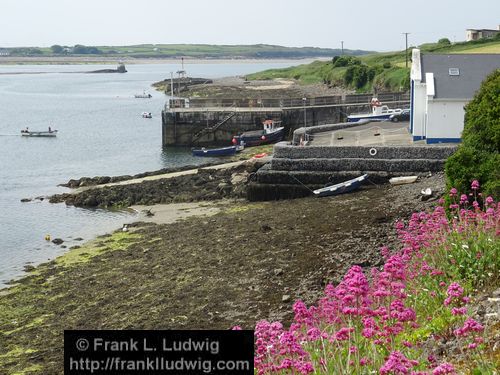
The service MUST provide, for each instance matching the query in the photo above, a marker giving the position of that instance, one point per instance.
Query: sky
(360, 24)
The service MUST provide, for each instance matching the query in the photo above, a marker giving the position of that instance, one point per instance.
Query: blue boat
(223, 151)
(271, 132)
(343, 187)
(379, 113)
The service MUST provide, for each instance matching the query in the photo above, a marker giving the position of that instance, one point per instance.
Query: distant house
(475, 34)
(4, 52)
(441, 85)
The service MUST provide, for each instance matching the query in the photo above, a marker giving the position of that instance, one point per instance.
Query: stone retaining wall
(336, 165)
(295, 171)
(284, 150)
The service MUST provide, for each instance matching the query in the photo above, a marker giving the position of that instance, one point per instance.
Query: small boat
(46, 133)
(223, 151)
(271, 132)
(147, 115)
(143, 95)
(403, 180)
(379, 113)
(343, 187)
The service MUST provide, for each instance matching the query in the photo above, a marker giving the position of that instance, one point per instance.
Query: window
(454, 71)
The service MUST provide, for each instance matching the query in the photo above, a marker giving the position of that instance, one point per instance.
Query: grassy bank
(380, 71)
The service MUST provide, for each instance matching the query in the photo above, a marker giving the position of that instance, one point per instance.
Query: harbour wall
(214, 121)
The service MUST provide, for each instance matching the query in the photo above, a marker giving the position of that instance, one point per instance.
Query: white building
(441, 85)
(476, 34)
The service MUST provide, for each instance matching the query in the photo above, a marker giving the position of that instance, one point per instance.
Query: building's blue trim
(418, 137)
(444, 140)
(412, 100)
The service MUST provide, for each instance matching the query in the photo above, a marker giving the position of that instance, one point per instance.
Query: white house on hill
(441, 85)
(476, 34)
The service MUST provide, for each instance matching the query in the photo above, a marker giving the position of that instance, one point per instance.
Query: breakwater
(214, 121)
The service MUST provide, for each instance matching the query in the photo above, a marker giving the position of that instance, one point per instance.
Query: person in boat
(25, 130)
(50, 130)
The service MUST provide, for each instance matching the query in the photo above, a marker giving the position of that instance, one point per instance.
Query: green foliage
(26, 51)
(79, 49)
(359, 75)
(56, 48)
(345, 61)
(392, 79)
(444, 41)
(479, 155)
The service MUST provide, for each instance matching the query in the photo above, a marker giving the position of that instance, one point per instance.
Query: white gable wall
(418, 110)
(444, 120)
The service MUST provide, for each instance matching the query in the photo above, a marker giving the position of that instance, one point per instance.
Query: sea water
(101, 132)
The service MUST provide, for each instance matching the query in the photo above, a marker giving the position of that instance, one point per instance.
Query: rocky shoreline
(247, 262)
(204, 185)
(233, 263)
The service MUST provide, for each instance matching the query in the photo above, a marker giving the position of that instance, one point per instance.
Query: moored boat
(379, 113)
(343, 187)
(30, 133)
(147, 115)
(223, 151)
(143, 95)
(271, 132)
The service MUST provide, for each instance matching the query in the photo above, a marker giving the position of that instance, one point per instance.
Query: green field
(205, 51)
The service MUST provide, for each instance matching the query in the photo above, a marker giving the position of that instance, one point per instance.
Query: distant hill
(202, 51)
(373, 72)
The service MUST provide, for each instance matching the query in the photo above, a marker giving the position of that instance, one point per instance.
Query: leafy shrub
(478, 156)
(339, 61)
(444, 41)
(56, 48)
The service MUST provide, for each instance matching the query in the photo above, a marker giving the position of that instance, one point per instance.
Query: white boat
(147, 115)
(403, 180)
(143, 95)
(343, 187)
(379, 113)
(46, 133)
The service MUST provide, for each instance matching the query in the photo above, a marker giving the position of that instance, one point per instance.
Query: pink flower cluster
(372, 310)
(397, 364)
(470, 325)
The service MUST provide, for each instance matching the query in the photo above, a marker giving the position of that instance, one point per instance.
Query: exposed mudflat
(249, 261)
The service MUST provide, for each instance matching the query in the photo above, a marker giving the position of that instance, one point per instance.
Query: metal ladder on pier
(212, 129)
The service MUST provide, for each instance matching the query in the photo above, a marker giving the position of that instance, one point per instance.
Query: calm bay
(100, 133)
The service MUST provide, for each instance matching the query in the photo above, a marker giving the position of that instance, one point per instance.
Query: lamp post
(406, 48)
(172, 84)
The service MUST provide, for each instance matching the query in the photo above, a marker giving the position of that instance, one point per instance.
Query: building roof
(483, 30)
(466, 74)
